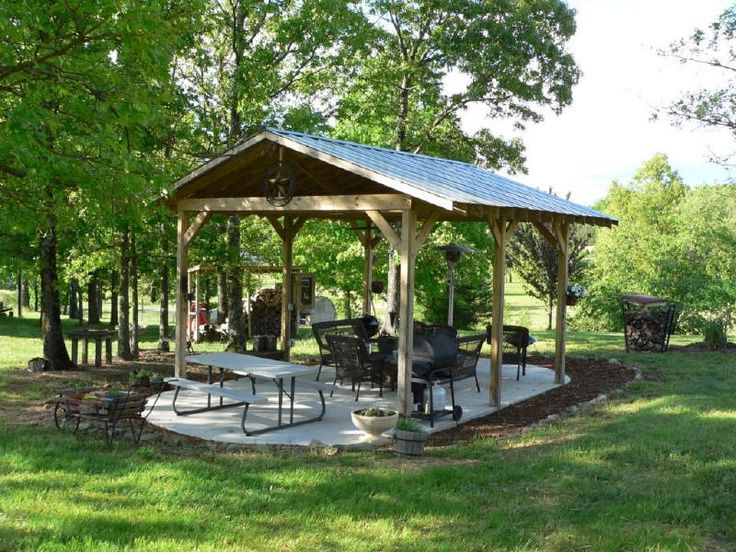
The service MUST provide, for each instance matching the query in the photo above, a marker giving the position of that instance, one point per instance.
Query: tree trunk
(163, 320)
(114, 284)
(73, 293)
(550, 311)
(80, 305)
(221, 297)
(54, 349)
(93, 308)
(35, 296)
(100, 299)
(124, 306)
(26, 295)
(392, 292)
(348, 304)
(134, 350)
(20, 293)
(236, 325)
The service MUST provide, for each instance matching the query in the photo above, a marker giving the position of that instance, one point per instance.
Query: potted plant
(141, 378)
(157, 381)
(575, 292)
(374, 421)
(89, 403)
(409, 437)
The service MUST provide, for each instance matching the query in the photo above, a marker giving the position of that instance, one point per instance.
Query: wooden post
(196, 307)
(367, 240)
(407, 257)
(182, 287)
(287, 232)
(287, 304)
(501, 231)
(562, 233)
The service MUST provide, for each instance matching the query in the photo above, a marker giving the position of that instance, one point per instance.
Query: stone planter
(409, 443)
(373, 426)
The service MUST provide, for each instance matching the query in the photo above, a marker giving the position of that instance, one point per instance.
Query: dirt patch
(589, 379)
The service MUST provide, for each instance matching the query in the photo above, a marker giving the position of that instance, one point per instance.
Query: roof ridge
(378, 148)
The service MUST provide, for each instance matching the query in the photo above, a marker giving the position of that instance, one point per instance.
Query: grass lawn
(652, 470)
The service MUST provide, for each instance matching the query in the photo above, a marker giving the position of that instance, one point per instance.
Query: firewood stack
(265, 312)
(647, 325)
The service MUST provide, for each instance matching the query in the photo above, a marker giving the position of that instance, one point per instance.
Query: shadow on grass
(643, 474)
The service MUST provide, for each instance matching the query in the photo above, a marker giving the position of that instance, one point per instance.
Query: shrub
(715, 334)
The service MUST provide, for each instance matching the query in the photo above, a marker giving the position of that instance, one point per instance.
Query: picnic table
(252, 367)
(5, 311)
(96, 335)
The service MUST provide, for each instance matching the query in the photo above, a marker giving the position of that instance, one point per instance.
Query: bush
(715, 334)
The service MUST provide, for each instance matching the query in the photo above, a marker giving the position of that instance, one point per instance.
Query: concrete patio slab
(335, 429)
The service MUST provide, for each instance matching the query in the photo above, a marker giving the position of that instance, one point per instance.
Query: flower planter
(571, 301)
(373, 426)
(409, 443)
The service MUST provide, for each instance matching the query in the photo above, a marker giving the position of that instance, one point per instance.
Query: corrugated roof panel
(453, 180)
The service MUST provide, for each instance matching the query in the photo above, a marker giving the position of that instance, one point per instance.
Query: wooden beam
(196, 225)
(499, 230)
(562, 232)
(182, 287)
(385, 228)
(426, 229)
(373, 202)
(407, 256)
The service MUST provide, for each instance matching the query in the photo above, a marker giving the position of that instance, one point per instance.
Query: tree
(258, 63)
(535, 260)
(511, 54)
(632, 257)
(714, 48)
(83, 91)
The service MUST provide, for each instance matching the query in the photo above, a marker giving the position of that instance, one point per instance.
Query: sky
(606, 134)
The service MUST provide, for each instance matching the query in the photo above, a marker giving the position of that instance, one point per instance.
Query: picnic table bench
(5, 311)
(251, 367)
(96, 335)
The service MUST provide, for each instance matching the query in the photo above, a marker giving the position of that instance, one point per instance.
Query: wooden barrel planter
(409, 443)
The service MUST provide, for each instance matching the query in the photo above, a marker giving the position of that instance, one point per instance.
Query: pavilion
(289, 177)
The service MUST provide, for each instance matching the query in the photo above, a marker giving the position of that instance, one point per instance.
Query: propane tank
(439, 396)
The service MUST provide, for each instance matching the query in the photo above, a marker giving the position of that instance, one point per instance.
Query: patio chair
(349, 327)
(352, 361)
(516, 340)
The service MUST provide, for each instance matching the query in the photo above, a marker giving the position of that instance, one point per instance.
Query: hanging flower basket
(574, 292)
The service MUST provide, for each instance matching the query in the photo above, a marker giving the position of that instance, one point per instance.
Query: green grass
(654, 469)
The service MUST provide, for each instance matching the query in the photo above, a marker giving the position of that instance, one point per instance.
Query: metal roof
(450, 180)
(441, 182)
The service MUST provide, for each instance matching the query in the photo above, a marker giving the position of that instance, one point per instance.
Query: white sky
(606, 133)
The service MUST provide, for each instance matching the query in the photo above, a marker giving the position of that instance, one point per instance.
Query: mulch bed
(700, 347)
(589, 379)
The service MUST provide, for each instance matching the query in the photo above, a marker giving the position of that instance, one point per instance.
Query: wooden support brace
(426, 229)
(385, 228)
(196, 225)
